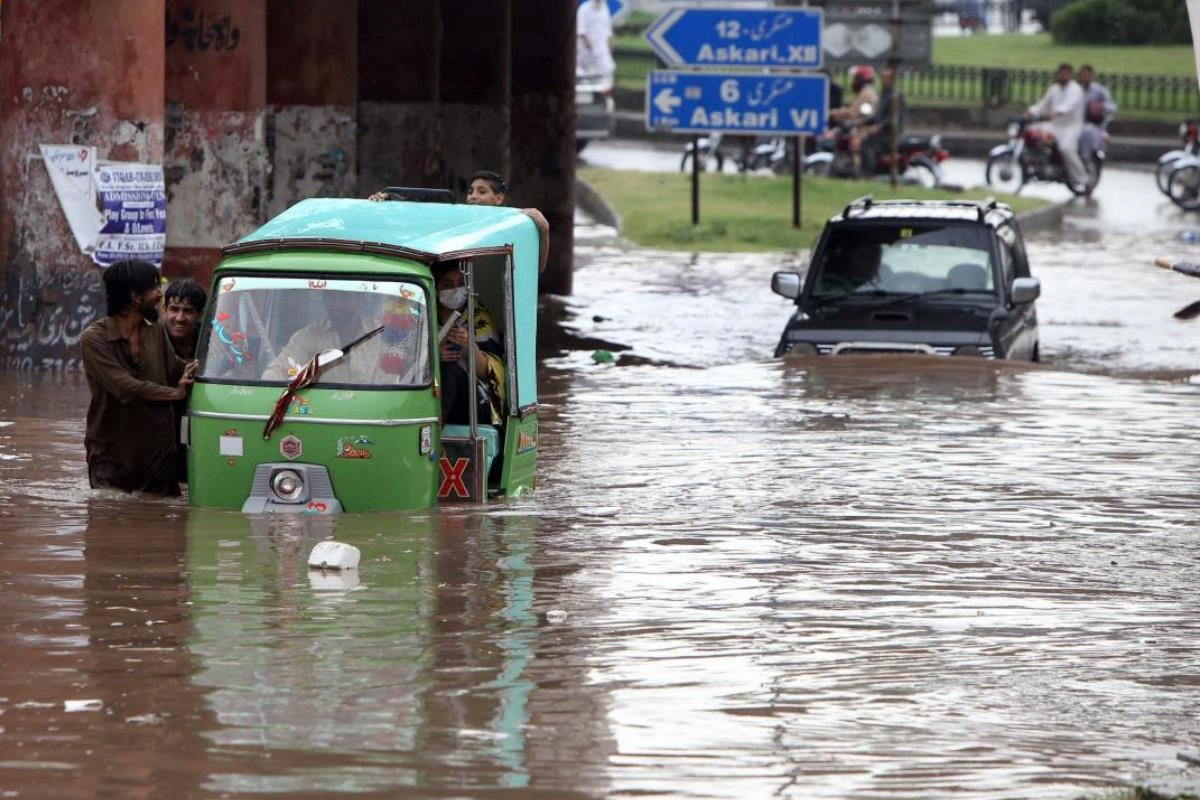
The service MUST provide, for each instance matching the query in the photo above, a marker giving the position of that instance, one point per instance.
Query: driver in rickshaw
(385, 359)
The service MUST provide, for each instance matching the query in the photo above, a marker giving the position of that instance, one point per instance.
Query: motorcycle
(1032, 154)
(1189, 132)
(919, 158)
(766, 153)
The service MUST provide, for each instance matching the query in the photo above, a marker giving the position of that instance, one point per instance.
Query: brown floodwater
(739, 577)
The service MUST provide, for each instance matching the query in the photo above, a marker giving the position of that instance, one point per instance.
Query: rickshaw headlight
(288, 486)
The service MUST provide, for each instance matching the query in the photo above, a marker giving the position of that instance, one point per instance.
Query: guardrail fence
(991, 87)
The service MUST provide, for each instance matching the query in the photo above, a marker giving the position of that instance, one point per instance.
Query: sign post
(773, 100)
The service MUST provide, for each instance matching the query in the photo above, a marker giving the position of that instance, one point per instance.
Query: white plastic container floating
(334, 556)
(74, 706)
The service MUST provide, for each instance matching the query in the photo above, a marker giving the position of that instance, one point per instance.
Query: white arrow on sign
(666, 101)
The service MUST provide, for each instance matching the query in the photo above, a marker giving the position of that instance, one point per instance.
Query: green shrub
(1122, 22)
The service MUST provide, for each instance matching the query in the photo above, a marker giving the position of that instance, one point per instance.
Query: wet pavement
(739, 577)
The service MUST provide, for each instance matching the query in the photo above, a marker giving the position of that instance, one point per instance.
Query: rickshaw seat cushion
(486, 432)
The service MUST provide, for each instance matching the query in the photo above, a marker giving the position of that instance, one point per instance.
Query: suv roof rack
(415, 194)
(863, 203)
(981, 207)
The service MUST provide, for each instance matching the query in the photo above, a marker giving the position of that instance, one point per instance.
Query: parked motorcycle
(710, 156)
(1189, 131)
(1032, 154)
(919, 158)
(763, 153)
(1183, 182)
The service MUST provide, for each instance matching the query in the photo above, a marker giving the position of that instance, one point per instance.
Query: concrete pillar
(312, 91)
(216, 160)
(399, 72)
(543, 125)
(433, 91)
(86, 72)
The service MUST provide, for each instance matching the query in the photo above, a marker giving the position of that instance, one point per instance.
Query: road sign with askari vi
(724, 38)
(758, 104)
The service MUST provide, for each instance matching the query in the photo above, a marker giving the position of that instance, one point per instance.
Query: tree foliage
(1122, 22)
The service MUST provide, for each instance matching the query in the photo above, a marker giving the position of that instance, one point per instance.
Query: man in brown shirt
(134, 376)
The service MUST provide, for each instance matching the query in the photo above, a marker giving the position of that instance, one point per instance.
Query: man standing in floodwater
(184, 301)
(134, 377)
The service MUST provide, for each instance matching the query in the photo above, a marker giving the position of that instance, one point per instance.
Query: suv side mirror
(786, 284)
(1026, 290)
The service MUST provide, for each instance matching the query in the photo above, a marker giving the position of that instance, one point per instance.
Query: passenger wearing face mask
(489, 352)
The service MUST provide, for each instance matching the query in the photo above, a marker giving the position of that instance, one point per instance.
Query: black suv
(911, 276)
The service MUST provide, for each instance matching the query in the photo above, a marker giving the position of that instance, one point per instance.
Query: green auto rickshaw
(320, 355)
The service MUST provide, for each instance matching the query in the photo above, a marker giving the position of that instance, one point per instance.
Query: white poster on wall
(133, 199)
(116, 211)
(70, 167)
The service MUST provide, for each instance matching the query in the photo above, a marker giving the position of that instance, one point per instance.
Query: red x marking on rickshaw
(452, 477)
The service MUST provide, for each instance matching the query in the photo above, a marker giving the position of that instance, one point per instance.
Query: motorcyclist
(1098, 110)
(861, 106)
(1061, 112)
(877, 129)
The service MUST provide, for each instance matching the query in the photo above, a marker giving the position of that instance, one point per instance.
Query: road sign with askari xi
(724, 38)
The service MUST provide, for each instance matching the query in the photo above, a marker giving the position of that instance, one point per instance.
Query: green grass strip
(742, 213)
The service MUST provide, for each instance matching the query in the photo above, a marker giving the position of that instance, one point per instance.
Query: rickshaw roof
(424, 231)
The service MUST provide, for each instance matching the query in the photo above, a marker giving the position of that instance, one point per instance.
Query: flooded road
(739, 577)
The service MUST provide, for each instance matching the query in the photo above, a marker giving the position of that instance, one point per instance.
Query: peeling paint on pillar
(107, 94)
(313, 153)
(217, 170)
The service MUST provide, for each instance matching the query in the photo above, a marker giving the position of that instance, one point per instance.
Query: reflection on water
(856, 578)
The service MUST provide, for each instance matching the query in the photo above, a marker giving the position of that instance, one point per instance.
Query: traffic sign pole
(695, 180)
(796, 172)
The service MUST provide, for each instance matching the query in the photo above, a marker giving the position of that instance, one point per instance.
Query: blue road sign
(700, 102)
(616, 8)
(738, 37)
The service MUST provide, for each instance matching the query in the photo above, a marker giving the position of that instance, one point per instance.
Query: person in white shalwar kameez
(593, 27)
(1061, 110)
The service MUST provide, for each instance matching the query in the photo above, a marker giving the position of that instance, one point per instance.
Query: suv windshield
(265, 329)
(904, 259)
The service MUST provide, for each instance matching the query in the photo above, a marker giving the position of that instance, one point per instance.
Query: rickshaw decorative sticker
(290, 447)
(426, 439)
(299, 406)
(234, 341)
(228, 285)
(526, 442)
(452, 478)
(358, 447)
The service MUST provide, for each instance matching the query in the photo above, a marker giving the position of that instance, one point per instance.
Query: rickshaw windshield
(264, 329)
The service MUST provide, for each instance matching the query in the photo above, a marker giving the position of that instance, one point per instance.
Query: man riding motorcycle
(877, 129)
(863, 104)
(1061, 112)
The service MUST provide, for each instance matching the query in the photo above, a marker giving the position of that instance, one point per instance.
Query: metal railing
(993, 87)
